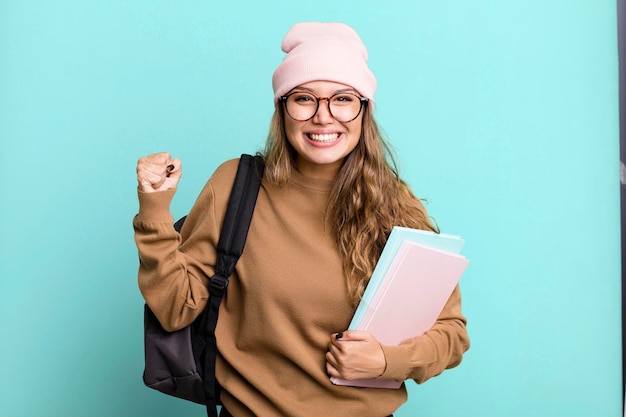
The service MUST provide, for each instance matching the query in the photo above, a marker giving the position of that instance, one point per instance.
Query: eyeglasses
(343, 107)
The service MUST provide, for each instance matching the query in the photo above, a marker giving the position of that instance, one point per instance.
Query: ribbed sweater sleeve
(174, 269)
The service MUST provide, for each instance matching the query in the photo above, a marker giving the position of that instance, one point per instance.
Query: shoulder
(223, 177)
(219, 184)
(213, 198)
(226, 169)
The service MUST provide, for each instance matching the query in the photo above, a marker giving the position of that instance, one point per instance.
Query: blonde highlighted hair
(367, 199)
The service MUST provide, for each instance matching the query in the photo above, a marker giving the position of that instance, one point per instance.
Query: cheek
(291, 131)
(355, 132)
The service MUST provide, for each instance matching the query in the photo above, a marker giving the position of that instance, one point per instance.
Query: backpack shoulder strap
(237, 220)
(229, 248)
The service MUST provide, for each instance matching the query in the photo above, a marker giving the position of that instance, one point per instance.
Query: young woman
(329, 198)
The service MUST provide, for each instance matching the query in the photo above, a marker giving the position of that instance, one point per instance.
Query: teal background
(504, 116)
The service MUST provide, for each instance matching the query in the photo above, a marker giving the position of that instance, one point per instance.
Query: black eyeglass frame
(362, 100)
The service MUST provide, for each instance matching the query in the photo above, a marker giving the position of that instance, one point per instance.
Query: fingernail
(170, 167)
(338, 335)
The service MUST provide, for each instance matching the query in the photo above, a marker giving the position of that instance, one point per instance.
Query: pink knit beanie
(323, 52)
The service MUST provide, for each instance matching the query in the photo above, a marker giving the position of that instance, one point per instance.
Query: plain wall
(504, 116)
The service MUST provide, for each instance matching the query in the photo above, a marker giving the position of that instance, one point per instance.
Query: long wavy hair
(367, 198)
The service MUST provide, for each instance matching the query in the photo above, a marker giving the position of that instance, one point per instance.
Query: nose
(323, 115)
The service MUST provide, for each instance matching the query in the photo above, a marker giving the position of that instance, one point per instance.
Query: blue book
(448, 243)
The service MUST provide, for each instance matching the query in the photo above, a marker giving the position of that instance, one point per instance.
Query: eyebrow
(343, 90)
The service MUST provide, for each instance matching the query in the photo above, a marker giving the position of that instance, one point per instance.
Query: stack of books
(413, 279)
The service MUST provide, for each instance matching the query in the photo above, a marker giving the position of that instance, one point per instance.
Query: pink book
(412, 294)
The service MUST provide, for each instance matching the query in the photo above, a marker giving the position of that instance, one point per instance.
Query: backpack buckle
(218, 285)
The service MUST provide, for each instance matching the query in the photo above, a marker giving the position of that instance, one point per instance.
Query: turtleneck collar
(313, 184)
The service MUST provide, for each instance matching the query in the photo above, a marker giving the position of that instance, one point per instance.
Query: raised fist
(158, 172)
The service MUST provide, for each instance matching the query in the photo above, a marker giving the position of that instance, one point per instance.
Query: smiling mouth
(325, 138)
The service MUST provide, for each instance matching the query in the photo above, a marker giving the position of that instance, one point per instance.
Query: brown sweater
(285, 299)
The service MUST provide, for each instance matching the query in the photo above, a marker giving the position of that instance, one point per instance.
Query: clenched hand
(158, 172)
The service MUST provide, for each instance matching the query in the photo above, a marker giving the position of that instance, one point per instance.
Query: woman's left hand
(355, 354)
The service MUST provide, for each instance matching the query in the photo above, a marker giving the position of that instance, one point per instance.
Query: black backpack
(182, 363)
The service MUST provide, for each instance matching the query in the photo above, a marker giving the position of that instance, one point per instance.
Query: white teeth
(329, 137)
